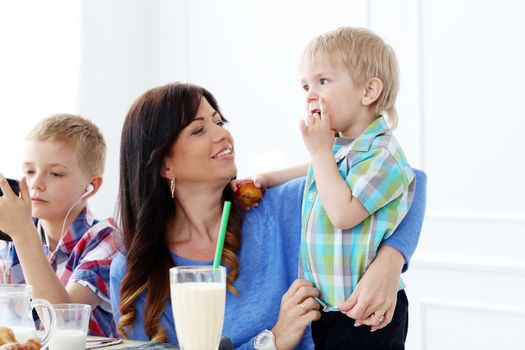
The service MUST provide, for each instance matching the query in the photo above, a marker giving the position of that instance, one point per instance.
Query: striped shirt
(377, 172)
(82, 255)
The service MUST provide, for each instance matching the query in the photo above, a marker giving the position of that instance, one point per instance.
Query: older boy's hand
(316, 131)
(15, 212)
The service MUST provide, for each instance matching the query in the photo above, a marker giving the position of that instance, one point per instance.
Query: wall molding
(465, 305)
(468, 263)
(427, 304)
(457, 215)
(420, 82)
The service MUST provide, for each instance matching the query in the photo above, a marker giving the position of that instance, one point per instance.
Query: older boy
(63, 165)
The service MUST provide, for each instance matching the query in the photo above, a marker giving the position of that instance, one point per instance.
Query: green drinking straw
(222, 234)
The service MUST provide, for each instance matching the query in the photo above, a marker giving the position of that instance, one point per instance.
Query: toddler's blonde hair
(366, 56)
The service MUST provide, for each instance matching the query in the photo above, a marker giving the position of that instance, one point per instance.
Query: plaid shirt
(376, 170)
(82, 255)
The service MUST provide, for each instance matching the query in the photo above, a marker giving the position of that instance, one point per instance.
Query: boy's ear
(96, 182)
(372, 91)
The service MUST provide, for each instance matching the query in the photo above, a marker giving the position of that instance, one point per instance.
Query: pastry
(8, 341)
(6, 336)
(31, 344)
(248, 194)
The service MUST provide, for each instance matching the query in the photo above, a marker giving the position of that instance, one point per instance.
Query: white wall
(39, 69)
(467, 278)
(460, 119)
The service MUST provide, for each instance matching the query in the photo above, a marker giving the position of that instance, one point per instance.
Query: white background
(461, 118)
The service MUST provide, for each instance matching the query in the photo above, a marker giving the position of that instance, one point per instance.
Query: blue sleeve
(247, 346)
(270, 252)
(116, 273)
(405, 237)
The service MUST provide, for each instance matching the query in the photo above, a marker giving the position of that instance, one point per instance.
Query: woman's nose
(221, 133)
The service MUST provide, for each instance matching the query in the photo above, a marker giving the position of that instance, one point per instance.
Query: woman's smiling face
(204, 150)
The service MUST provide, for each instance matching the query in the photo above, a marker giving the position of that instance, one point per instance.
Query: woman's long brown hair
(145, 206)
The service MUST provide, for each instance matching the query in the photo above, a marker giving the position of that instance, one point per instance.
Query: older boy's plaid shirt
(376, 170)
(83, 255)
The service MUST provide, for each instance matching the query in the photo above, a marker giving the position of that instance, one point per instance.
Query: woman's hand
(374, 300)
(15, 212)
(298, 310)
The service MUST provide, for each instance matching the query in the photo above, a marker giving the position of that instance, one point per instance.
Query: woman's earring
(172, 188)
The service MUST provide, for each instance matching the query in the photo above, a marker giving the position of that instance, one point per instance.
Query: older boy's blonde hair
(366, 56)
(77, 132)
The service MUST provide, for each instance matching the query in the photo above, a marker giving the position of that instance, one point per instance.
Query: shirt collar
(75, 231)
(364, 141)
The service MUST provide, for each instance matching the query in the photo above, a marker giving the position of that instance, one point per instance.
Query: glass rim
(71, 307)
(196, 268)
(15, 288)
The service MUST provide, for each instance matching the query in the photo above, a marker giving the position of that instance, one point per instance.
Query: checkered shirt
(376, 170)
(82, 255)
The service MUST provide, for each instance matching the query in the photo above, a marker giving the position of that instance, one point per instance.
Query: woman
(177, 160)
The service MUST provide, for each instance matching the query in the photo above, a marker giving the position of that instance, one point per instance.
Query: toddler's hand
(258, 180)
(316, 131)
(249, 191)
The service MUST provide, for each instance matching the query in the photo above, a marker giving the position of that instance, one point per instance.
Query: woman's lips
(226, 153)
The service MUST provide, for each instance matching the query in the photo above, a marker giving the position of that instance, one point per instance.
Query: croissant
(6, 336)
(31, 344)
(8, 341)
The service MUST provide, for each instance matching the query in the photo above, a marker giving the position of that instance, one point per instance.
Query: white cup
(198, 298)
(72, 322)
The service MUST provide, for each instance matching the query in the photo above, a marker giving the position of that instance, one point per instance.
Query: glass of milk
(72, 321)
(198, 296)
